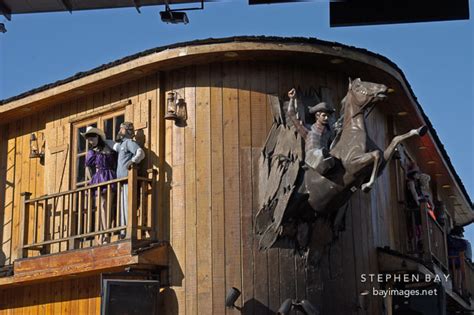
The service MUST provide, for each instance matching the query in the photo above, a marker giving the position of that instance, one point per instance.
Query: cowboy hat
(321, 107)
(93, 131)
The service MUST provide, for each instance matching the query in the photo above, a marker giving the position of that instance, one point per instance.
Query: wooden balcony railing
(74, 219)
(436, 241)
(429, 242)
(462, 275)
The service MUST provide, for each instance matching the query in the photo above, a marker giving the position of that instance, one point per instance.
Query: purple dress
(104, 164)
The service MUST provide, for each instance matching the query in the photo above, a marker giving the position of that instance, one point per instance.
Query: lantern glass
(171, 107)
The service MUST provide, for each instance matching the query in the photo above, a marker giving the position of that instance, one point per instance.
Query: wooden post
(23, 237)
(153, 208)
(426, 226)
(132, 204)
(70, 230)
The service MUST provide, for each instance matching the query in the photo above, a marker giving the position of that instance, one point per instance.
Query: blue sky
(437, 58)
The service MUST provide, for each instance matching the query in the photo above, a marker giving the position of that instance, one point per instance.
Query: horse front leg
(373, 157)
(390, 150)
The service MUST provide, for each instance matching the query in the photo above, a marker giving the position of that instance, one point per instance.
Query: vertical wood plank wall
(213, 198)
(76, 296)
(208, 191)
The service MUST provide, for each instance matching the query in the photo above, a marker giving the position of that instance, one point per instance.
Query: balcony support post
(153, 208)
(132, 204)
(426, 232)
(23, 219)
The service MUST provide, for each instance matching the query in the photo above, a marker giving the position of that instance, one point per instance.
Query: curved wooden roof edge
(59, 90)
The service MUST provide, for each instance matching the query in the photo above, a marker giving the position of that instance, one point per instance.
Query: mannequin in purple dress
(104, 160)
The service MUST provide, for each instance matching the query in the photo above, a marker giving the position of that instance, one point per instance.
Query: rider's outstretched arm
(296, 122)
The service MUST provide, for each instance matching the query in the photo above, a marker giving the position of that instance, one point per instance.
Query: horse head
(362, 93)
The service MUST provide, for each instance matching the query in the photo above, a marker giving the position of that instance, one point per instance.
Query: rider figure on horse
(318, 137)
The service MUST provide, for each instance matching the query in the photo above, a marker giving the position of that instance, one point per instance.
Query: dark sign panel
(367, 12)
(129, 297)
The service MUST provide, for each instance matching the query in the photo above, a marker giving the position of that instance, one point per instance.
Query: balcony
(462, 272)
(72, 220)
(429, 242)
(62, 235)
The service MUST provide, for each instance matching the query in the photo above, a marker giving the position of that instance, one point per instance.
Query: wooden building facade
(194, 199)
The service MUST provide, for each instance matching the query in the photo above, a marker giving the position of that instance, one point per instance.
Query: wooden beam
(82, 262)
(110, 108)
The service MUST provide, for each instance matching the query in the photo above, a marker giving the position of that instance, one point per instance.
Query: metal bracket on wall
(5, 10)
(137, 5)
(67, 4)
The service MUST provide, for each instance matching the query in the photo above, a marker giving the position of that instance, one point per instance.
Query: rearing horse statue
(360, 159)
(291, 196)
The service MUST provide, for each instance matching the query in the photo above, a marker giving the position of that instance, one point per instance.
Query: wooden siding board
(166, 196)
(178, 226)
(8, 206)
(299, 80)
(231, 178)
(258, 112)
(3, 186)
(24, 180)
(217, 189)
(132, 92)
(203, 191)
(190, 187)
(83, 292)
(246, 194)
(272, 88)
(74, 297)
(161, 132)
(287, 257)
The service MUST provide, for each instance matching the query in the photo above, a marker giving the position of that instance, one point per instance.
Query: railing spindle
(35, 222)
(70, 220)
(108, 209)
(80, 217)
(98, 211)
(61, 217)
(45, 218)
(143, 211)
(53, 218)
(69, 216)
(119, 204)
(89, 210)
(152, 207)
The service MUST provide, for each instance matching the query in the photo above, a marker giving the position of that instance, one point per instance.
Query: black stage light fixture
(370, 12)
(231, 297)
(174, 17)
(285, 307)
(2, 28)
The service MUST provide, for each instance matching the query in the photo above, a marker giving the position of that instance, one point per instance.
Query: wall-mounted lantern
(171, 107)
(175, 108)
(35, 150)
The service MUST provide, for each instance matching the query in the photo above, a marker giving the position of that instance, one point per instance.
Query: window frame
(100, 120)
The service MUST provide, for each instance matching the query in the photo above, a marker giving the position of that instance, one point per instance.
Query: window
(110, 124)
